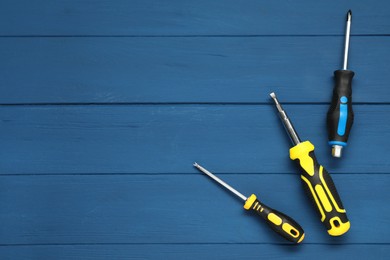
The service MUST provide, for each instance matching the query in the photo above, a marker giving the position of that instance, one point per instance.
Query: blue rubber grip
(343, 116)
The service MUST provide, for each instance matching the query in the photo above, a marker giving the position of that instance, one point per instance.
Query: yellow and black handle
(321, 189)
(279, 222)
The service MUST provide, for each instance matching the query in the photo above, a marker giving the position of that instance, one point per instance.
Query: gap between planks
(171, 174)
(190, 36)
(181, 103)
(162, 243)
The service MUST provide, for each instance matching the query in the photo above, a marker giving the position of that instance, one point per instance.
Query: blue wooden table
(105, 105)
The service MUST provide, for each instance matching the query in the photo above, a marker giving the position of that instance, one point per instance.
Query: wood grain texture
(228, 69)
(105, 105)
(195, 252)
(168, 139)
(188, 17)
(178, 208)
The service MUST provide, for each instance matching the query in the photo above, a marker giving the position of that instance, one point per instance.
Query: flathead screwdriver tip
(273, 96)
(349, 15)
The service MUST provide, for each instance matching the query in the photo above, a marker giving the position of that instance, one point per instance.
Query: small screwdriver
(279, 222)
(340, 114)
(316, 180)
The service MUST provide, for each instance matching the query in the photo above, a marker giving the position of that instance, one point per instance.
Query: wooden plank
(178, 17)
(229, 251)
(178, 208)
(228, 69)
(168, 139)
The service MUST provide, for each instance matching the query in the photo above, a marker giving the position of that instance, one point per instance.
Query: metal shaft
(347, 34)
(286, 122)
(227, 186)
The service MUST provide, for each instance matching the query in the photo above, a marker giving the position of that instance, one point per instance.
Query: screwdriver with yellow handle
(279, 222)
(316, 180)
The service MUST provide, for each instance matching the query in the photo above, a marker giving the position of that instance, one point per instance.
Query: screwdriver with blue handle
(316, 180)
(279, 222)
(340, 115)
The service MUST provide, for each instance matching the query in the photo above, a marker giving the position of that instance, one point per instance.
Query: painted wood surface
(105, 105)
(178, 209)
(188, 17)
(206, 69)
(196, 251)
(152, 139)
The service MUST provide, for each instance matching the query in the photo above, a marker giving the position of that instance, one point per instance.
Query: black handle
(340, 115)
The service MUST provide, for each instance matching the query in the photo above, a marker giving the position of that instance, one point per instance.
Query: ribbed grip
(321, 190)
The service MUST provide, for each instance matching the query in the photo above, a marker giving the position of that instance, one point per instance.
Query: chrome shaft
(347, 34)
(286, 122)
(227, 186)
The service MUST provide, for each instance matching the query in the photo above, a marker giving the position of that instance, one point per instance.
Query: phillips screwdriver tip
(349, 15)
(196, 164)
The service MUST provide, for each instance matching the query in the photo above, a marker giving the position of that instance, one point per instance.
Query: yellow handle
(321, 189)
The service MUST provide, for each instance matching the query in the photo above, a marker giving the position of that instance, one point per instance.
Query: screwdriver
(316, 180)
(340, 114)
(279, 222)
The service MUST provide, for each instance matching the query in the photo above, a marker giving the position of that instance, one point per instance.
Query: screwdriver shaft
(347, 34)
(286, 122)
(227, 186)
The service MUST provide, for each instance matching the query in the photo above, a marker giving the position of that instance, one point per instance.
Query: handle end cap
(301, 239)
(338, 228)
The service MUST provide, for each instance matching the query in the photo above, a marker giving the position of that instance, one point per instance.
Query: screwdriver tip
(273, 95)
(196, 164)
(349, 15)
